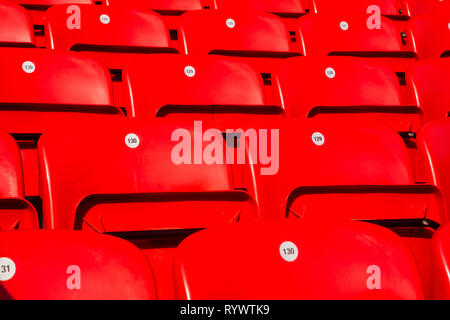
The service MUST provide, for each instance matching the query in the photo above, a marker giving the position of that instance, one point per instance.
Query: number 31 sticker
(289, 251)
(7, 269)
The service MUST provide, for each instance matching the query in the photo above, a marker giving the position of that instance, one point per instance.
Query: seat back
(344, 87)
(430, 35)
(292, 260)
(428, 89)
(232, 33)
(15, 211)
(16, 28)
(72, 266)
(201, 87)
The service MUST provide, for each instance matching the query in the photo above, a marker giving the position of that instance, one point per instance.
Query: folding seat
(164, 7)
(434, 154)
(259, 38)
(428, 87)
(441, 259)
(113, 35)
(125, 177)
(37, 10)
(40, 89)
(419, 7)
(341, 170)
(430, 35)
(72, 265)
(284, 9)
(349, 35)
(394, 9)
(201, 87)
(296, 260)
(16, 29)
(15, 211)
(349, 88)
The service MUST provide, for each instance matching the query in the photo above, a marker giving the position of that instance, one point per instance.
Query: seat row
(263, 260)
(42, 88)
(395, 9)
(156, 182)
(36, 82)
(250, 34)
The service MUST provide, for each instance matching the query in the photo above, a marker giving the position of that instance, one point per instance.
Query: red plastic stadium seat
(92, 180)
(349, 35)
(108, 29)
(70, 265)
(15, 211)
(429, 88)
(201, 87)
(37, 10)
(40, 89)
(164, 7)
(419, 7)
(242, 34)
(124, 34)
(434, 155)
(292, 260)
(344, 87)
(394, 9)
(287, 8)
(49, 3)
(340, 170)
(89, 186)
(431, 35)
(16, 29)
(345, 170)
(440, 262)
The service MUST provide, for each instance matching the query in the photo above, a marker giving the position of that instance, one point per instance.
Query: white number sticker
(7, 269)
(28, 67)
(330, 73)
(132, 140)
(231, 23)
(344, 25)
(189, 71)
(289, 251)
(105, 19)
(318, 138)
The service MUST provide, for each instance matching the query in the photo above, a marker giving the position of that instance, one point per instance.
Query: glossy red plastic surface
(62, 88)
(200, 87)
(171, 7)
(333, 262)
(391, 8)
(236, 34)
(430, 35)
(73, 265)
(428, 87)
(419, 7)
(128, 30)
(434, 155)
(15, 211)
(440, 261)
(348, 35)
(101, 184)
(16, 29)
(287, 8)
(345, 87)
(358, 172)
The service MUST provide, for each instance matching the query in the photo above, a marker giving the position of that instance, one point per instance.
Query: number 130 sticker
(289, 251)
(132, 140)
(7, 269)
